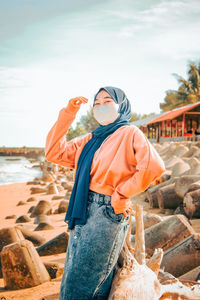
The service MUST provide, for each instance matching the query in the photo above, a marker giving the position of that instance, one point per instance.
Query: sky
(52, 51)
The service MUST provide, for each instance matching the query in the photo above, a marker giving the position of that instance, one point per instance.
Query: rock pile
(175, 192)
(181, 191)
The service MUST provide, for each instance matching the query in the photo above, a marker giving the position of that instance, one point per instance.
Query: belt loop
(96, 196)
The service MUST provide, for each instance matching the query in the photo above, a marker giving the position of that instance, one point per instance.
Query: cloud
(12, 78)
(166, 29)
(17, 15)
(52, 51)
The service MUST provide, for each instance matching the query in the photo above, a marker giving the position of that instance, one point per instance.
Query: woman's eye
(108, 101)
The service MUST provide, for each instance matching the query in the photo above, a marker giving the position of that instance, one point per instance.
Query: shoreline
(19, 169)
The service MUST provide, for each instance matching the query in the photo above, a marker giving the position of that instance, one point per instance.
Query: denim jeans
(93, 250)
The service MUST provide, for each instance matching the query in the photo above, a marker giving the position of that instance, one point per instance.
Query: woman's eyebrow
(106, 97)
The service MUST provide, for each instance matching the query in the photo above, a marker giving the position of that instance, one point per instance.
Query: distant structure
(142, 123)
(182, 123)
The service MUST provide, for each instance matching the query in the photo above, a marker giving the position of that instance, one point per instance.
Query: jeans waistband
(99, 198)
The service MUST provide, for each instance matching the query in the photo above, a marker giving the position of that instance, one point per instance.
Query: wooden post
(170, 128)
(163, 128)
(139, 236)
(159, 132)
(183, 125)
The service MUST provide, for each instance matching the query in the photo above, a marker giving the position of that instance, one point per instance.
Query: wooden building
(179, 124)
(142, 123)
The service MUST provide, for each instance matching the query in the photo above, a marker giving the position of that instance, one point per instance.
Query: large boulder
(21, 266)
(42, 208)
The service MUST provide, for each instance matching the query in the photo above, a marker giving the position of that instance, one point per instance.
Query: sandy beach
(10, 195)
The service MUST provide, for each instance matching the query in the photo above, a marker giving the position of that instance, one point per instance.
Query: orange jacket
(125, 164)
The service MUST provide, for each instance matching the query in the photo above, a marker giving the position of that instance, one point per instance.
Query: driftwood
(183, 183)
(166, 234)
(167, 197)
(148, 220)
(191, 203)
(137, 279)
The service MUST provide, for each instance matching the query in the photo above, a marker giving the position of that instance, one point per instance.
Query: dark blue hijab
(77, 209)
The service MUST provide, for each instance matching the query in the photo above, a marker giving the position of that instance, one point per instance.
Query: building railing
(176, 139)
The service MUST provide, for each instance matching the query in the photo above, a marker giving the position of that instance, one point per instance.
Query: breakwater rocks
(179, 191)
(166, 225)
(29, 152)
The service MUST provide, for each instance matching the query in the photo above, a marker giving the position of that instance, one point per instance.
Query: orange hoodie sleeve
(57, 149)
(149, 166)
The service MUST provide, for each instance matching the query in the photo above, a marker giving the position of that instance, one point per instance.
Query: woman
(111, 164)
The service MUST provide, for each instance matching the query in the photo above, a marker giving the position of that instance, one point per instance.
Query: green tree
(72, 133)
(188, 91)
(135, 117)
(88, 121)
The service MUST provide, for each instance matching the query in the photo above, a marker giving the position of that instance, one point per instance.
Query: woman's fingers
(85, 100)
(128, 211)
(132, 212)
(79, 100)
(125, 214)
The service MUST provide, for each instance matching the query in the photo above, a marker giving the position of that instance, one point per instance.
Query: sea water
(12, 171)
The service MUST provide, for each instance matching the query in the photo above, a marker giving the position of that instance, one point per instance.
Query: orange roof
(169, 115)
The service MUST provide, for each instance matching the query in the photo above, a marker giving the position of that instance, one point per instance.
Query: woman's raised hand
(74, 104)
(78, 101)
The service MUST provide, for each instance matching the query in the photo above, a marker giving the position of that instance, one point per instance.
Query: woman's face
(103, 98)
(105, 109)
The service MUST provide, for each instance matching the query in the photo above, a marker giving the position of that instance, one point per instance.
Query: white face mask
(106, 114)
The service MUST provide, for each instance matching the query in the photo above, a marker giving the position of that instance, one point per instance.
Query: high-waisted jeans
(93, 250)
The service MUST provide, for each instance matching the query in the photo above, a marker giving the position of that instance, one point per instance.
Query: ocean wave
(12, 171)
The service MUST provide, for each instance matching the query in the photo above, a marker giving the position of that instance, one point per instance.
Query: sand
(10, 195)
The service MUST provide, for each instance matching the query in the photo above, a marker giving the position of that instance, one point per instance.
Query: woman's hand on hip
(128, 211)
